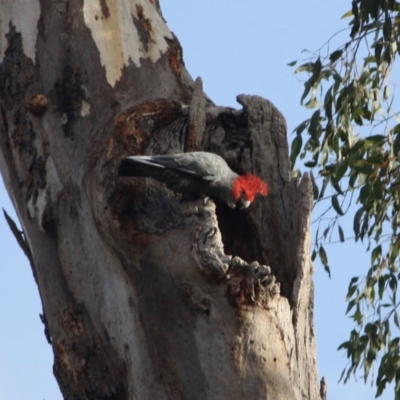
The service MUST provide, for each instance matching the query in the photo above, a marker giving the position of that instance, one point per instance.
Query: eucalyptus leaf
(295, 149)
(336, 205)
(341, 234)
(322, 255)
(335, 55)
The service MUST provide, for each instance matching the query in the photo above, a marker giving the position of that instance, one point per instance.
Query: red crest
(247, 186)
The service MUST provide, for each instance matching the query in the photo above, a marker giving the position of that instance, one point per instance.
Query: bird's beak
(232, 205)
(245, 203)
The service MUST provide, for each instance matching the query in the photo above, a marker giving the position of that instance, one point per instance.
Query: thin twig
(20, 237)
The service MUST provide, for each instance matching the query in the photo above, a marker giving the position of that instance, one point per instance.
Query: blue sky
(236, 47)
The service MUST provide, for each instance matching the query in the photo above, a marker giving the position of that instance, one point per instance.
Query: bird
(199, 173)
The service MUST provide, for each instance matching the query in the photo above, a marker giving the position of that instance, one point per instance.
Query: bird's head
(245, 188)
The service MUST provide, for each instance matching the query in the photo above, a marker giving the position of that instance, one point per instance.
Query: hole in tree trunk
(237, 234)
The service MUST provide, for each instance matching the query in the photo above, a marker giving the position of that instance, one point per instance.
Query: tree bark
(147, 294)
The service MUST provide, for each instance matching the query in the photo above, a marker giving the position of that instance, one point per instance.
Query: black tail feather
(128, 167)
(138, 167)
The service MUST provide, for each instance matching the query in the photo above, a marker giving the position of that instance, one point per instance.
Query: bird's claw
(253, 282)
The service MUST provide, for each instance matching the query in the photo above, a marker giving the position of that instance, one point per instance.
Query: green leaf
(364, 77)
(396, 319)
(386, 92)
(340, 171)
(376, 254)
(305, 67)
(324, 186)
(388, 54)
(353, 179)
(324, 157)
(393, 283)
(313, 255)
(337, 187)
(387, 29)
(295, 149)
(322, 255)
(336, 205)
(292, 63)
(300, 128)
(369, 60)
(357, 221)
(312, 104)
(376, 139)
(328, 102)
(350, 292)
(378, 51)
(396, 142)
(347, 15)
(352, 303)
(367, 367)
(335, 55)
(381, 286)
(314, 124)
(307, 88)
(343, 372)
(364, 169)
(356, 20)
(358, 315)
(353, 280)
(344, 345)
(328, 270)
(341, 234)
(316, 73)
(310, 164)
(364, 193)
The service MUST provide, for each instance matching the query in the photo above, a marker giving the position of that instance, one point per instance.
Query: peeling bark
(147, 294)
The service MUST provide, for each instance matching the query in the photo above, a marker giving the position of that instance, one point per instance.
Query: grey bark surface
(147, 294)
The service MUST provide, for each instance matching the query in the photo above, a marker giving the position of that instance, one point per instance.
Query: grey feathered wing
(199, 173)
(195, 164)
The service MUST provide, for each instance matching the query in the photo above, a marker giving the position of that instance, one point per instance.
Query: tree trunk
(140, 300)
